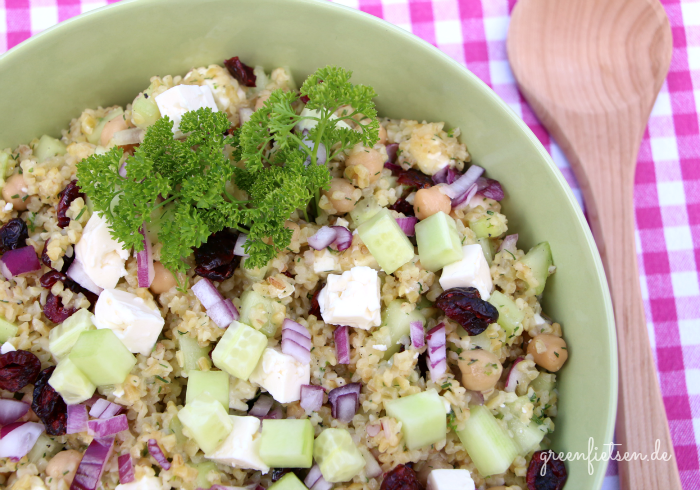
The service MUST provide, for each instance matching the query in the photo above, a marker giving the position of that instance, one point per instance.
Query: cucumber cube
(102, 357)
(438, 242)
(239, 350)
(386, 241)
(422, 416)
(48, 147)
(288, 482)
(396, 317)
(487, 247)
(44, 448)
(488, 444)
(490, 226)
(144, 111)
(527, 437)
(214, 383)
(176, 428)
(337, 456)
(539, 260)
(203, 470)
(71, 383)
(257, 310)
(510, 317)
(63, 337)
(7, 330)
(192, 352)
(287, 443)
(365, 209)
(207, 422)
(544, 382)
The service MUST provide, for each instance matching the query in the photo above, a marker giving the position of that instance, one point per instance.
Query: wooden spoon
(591, 70)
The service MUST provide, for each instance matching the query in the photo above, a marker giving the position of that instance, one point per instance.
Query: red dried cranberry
(18, 369)
(65, 198)
(315, 307)
(215, 259)
(403, 206)
(13, 235)
(304, 99)
(414, 178)
(67, 261)
(401, 478)
(240, 71)
(392, 151)
(49, 405)
(546, 473)
(465, 306)
(55, 311)
(288, 274)
(50, 278)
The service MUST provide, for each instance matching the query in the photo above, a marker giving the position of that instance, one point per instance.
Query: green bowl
(108, 55)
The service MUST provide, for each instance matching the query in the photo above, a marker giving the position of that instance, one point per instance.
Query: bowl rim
(486, 91)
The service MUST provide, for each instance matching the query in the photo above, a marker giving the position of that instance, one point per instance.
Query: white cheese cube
(539, 321)
(143, 483)
(101, 256)
(450, 480)
(309, 124)
(130, 318)
(241, 449)
(352, 298)
(281, 375)
(7, 347)
(471, 271)
(175, 102)
(325, 261)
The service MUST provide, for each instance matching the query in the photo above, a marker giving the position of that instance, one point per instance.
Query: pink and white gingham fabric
(667, 191)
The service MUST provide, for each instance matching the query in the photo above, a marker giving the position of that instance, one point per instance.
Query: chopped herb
(163, 380)
(472, 362)
(490, 213)
(80, 213)
(556, 353)
(511, 254)
(15, 196)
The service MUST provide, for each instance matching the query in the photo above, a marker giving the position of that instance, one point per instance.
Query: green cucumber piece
(103, 358)
(255, 273)
(239, 350)
(48, 147)
(491, 225)
(365, 209)
(527, 437)
(539, 260)
(176, 428)
(191, 352)
(144, 111)
(288, 482)
(203, 469)
(422, 416)
(487, 247)
(45, 448)
(544, 382)
(71, 383)
(215, 383)
(438, 242)
(63, 337)
(399, 323)
(7, 330)
(510, 317)
(488, 444)
(257, 310)
(94, 138)
(385, 240)
(287, 443)
(337, 456)
(206, 421)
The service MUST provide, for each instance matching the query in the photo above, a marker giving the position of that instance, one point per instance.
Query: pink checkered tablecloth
(667, 189)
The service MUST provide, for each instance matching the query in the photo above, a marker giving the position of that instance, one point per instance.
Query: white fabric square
(689, 331)
(691, 13)
(670, 193)
(448, 32)
(652, 341)
(664, 148)
(692, 381)
(496, 28)
(696, 429)
(662, 105)
(42, 18)
(501, 73)
(685, 283)
(693, 57)
(678, 238)
(644, 288)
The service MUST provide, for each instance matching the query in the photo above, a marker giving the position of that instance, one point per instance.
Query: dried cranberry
(55, 311)
(18, 369)
(414, 178)
(13, 235)
(278, 473)
(240, 71)
(49, 405)
(50, 278)
(288, 274)
(67, 261)
(315, 307)
(403, 206)
(401, 478)
(215, 259)
(304, 99)
(465, 306)
(65, 198)
(554, 471)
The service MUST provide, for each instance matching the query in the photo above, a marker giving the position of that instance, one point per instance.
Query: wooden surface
(591, 70)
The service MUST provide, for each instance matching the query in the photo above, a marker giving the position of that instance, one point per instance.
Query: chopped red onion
(311, 398)
(206, 293)
(157, 454)
(322, 238)
(122, 170)
(77, 419)
(321, 153)
(372, 468)
(393, 167)
(440, 177)
(112, 410)
(107, 427)
(391, 151)
(11, 410)
(452, 175)
(408, 225)
(288, 334)
(490, 188)
(321, 484)
(239, 249)
(342, 344)
(232, 308)
(463, 183)
(464, 200)
(437, 351)
(76, 271)
(343, 238)
(144, 261)
(90, 469)
(336, 393)
(126, 469)
(18, 438)
(297, 327)
(262, 406)
(275, 413)
(417, 334)
(345, 407)
(312, 476)
(92, 400)
(373, 429)
(19, 261)
(515, 376)
(221, 314)
(98, 407)
(298, 352)
(508, 243)
(131, 136)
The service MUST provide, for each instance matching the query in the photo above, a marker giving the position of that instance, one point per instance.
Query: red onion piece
(262, 406)
(76, 271)
(322, 238)
(126, 469)
(391, 151)
(291, 348)
(11, 410)
(206, 293)
(19, 261)
(463, 183)
(89, 472)
(343, 238)
(107, 427)
(275, 413)
(408, 225)
(463, 200)
(92, 400)
(312, 476)
(311, 398)
(122, 169)
(232, 308)
(220, 313)
(321, 153)
(373, 429)
(321, 484)
(440, 177)
(345, 407)
(144, 261)
(509, 243)
(18, 438)
(372, 468)
(297, 327)
(342, 390)
(157, 454)
(393, 167)
(490, 188)
(77, 419)
(515, 376)
(288, 334)
(112, 410)
(239, 249)
(452, 175)
(98, 407)
(417, 334)
(437, 351)
(342, 344)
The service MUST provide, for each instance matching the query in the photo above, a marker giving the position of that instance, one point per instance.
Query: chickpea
(340, 195)
(262, 98)
(369, 158)
(382, 135)
(430, 201)
(481, 370)
(549, 351)
(13, 187)
(163, 280)
(64, 465)
(113, 126)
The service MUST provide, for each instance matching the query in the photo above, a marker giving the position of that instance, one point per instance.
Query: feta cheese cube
(143, 483)
(175, 102)
(325, 261)
(101, 256)
(130, 318)
(281, 375)
(241, 449)
(471, 271)
(450, 480)
(7, 347)
(352, 298)
(539, 321)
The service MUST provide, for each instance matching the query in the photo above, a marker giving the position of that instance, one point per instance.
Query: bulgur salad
(237, 282)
